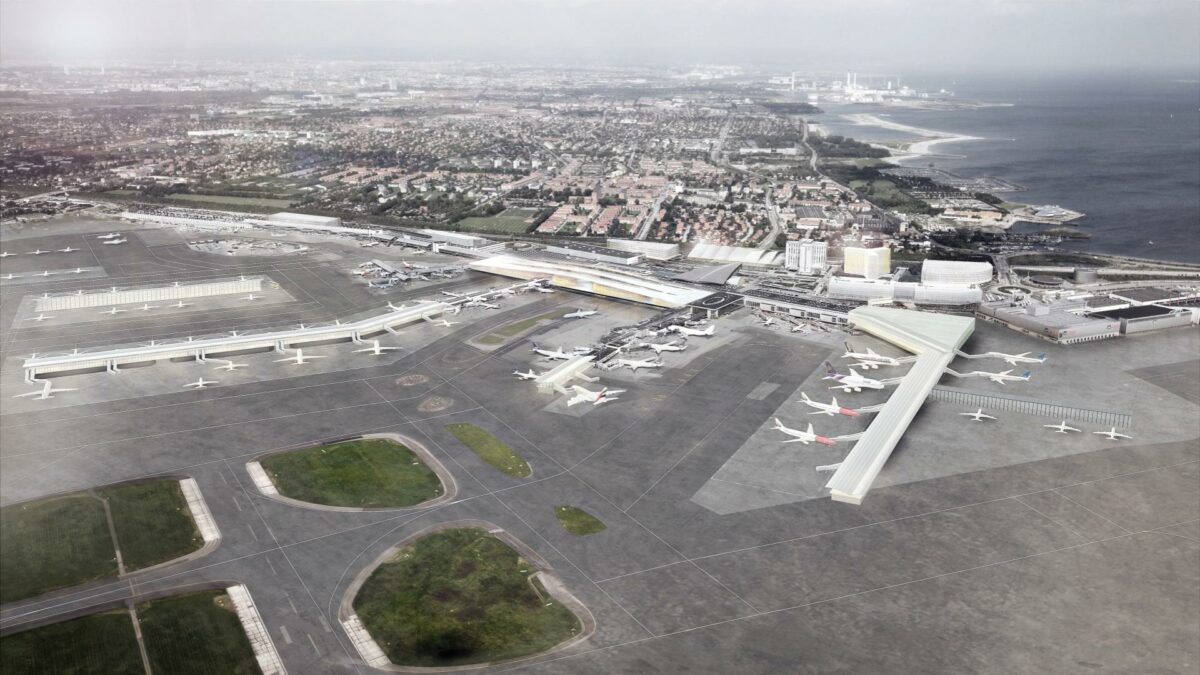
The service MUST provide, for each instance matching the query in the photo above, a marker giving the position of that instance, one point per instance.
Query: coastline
(910, 149)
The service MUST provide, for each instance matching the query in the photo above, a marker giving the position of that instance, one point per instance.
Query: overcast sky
(880, 35)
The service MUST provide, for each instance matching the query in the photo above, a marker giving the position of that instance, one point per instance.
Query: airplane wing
(577, 398)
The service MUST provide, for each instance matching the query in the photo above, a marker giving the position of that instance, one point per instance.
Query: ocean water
(1125, 152)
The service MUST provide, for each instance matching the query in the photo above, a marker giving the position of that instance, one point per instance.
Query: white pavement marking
(260, 640)
(287, 639)
(200, 513)
(261, 480)
(367, 648)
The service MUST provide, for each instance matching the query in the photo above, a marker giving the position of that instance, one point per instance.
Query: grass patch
(58, 542)
(459, 597)
(577, 521)
(229, 200)
(197, 633)
(365, 473)
(153, 522)
(99, 644)
(490, 449)
(508, 331)
(509, 221)
(53, 543)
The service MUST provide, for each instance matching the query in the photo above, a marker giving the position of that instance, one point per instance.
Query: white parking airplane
(299, 358)
(110, 235)
(581, 314)
(47, 391)
(583, 395)
(39, 317)
(10, 276)
(199, 384)
(667, 347)
(557, 354)
(38, 252)
(978, 415)
(444, 323)
(542, 289)
(146, 307)
(479, 302)
(831, 408)
(869, 359)
(67, 250)
(375, 349)
(504, 292)
(181, 304)
(251, 296)
(1015, 359)
(113, 311)
(114, 242)
(851, 381)
(634, 364)
(4, 254)
(77, 270)
(1061, 427)
(1002, 377)
(1112, 435)
(230, 365)
(694, 332)
(45, 273)
(767, 321)
(452, 294)
(531, 375)
(807, 436)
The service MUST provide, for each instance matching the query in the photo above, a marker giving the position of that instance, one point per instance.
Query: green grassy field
(366, 473)
(459, 597)
(505, 333)
(153, 522)
(577, 521)
(509, 221)
(53, 543)
(99, 644)
(198, 634)
(65, 541)
(229, 200)
(490, 449)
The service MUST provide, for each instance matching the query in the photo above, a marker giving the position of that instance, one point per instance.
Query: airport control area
(574, 461)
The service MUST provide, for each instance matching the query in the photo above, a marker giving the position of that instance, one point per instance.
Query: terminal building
(869, 263)
(596, 253)
(587, 277)
(1062, 321)
(650, 250)
(893, 290)
(800, 305)
(805, 256)
(955, 273)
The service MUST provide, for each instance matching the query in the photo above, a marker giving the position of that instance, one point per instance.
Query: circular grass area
(460, 597)
(363, 473)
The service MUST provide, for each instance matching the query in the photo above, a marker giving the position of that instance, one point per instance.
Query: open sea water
(1125, 152)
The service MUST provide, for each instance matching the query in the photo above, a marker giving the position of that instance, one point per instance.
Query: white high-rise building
(805, 256)
(869, 263)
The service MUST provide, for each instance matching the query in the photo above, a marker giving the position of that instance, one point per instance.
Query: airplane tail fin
(804, 397)
(830, 371)
(1027, 374)
(810, 428)
(1042, 356)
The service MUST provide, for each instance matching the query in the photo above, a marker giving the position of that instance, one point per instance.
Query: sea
(1125, 151)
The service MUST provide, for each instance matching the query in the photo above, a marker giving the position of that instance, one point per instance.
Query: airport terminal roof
(740, 254)
(710, 274)
(934, 338)
(592, 278)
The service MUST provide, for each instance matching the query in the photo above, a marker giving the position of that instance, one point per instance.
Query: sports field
(459, 597)
(364, 473)
(490, 449)
(509, 221)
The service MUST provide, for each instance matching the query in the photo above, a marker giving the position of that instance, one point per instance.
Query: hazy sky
(883, 35)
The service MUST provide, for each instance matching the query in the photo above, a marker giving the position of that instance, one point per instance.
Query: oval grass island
(372, 472)
(457, 596)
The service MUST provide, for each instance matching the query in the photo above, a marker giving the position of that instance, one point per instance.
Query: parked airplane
(230, 365)
(634, 364)
(531, 375)
(375, 349)
(505, 292)
(299, 358)
(557, 354)
(39, 317)
(146, 307)
(1014, 359)
(453, 294)
(1112, 435)
(869, 359)
(45, 273)
(851, 381)
(47, 391)
(113, 311)
(1004, 376)
(4, 254)
(181, 304)
(38, 252)
(10, 276)
(807, 436)
(831, 408)
(978, 415)
(200, 383)
(114, 242)
(381, 284)
(580, 314)
(441, 322)
(251, 297)
(110, 235)
(694, 332)
(667, 347)
(767, 321)
(77, 270)
(594, 397)
(542, 289)
(478, 302)
(67, 250)
(1061, 427)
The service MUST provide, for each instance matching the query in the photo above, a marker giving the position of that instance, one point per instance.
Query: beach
(910, 150)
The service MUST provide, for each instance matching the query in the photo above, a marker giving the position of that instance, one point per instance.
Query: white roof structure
(738, 254)
(588, 278)
(934, 338)
(955, 272)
